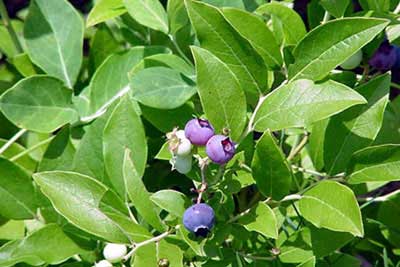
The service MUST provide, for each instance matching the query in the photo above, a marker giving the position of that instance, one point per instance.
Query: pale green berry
(183, 164)
(103, 263)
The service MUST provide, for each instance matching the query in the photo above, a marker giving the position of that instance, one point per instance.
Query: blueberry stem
(203, 168)
(250, 126)
(12, 140)
(298, 148)
(136, 246)
(9, 27)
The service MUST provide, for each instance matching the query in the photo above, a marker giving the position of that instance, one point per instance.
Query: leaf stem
(136, 246)
(10, 28)
(13, 139)
(179, 50)
(299, 147)
(397, 9)
(32, 148)
(326, 18)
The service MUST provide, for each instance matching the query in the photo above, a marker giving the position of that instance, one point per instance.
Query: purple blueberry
(199, 219)
(384, 57)
(397, 64)
(198, 131)
(220, 149)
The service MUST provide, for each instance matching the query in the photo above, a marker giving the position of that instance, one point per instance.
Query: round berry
(353, 61)
(397, 64)
(114, 252)
(184, 146)
(220, 149)
(198, 131)
(103, 263)
(183, 164)
(384, 57)
(199, 219)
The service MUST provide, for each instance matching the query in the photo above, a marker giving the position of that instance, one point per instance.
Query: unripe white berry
(184, 147)
(114, 252)
(353, 61)
(103, 263)
(183, 164)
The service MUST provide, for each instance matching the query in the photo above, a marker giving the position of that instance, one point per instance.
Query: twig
(136, 246)
(32, 148)
(10, 28)
(178, 49)
(253, 257)
(326, 18)
(203, 163)
(395, 85)
(13, 139)
(299, 147)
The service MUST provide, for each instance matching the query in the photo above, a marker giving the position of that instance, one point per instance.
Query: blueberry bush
(224, 133)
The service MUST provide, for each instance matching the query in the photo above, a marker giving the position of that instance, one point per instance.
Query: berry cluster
(199, 218)
(219, 148)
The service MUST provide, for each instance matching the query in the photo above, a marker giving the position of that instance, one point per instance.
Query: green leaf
(297, 248)
(149, 13)
(303, 102)
(104, 10)
(357, 127)
(124, 129)
(162, 88)
(111, 79)
(223, 100)
(24, 65)
(102, 45)
(337, 41)
(271, 171)
(319, 236)
(287, 25)
(7, 46)
(257, 33)
(17, 194)
(333, 206)
(145, 256)
(39, 103)
(170, 200)
(375, 164)
(308, 263)
(12, 230)
(78, 198)
(336, 8)
(316, 143)
(217, 36)
(54, 38)
(166, 120)
(177, 15)
(262, 220)
(59, 154)
(389, 215)
(138, 193)
(173, 253)
(89, 158)
(49, 245)
(26, 162)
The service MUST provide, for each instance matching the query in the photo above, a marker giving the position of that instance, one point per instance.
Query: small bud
(163, 263)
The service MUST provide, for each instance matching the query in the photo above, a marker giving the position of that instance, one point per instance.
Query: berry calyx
(114, 252)
(199, 131)
(199, 219)
(220, 149)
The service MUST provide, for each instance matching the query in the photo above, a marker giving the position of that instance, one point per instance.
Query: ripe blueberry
(220, 149)
(199, 219)
(384, 57)
(114, 252)
(397, 64)
(198, 131)
(353, 61)
(103, 263)
(183, 164)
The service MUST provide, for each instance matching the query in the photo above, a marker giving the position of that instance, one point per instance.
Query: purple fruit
(397, 64)
(198, 131)
(384, 57)
(199, 219)
(220, 149)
